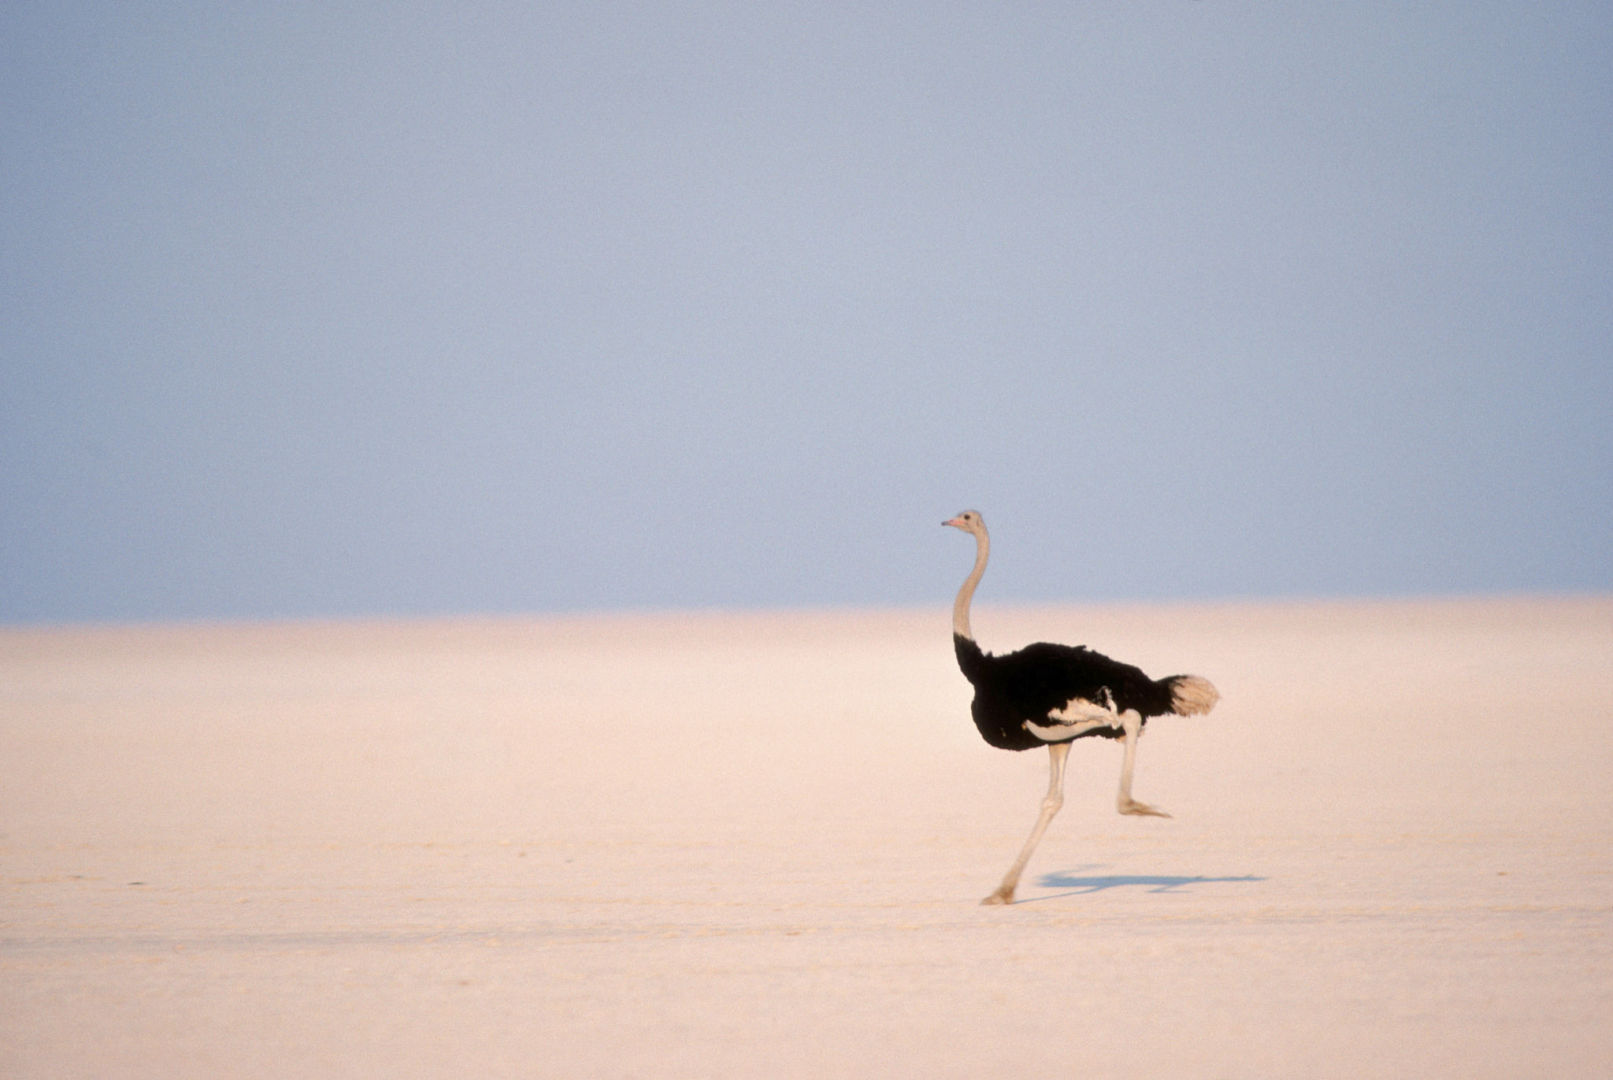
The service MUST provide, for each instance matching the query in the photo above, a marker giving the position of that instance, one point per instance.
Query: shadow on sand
(1074, 882)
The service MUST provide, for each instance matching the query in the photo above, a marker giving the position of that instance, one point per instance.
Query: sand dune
(753, 845)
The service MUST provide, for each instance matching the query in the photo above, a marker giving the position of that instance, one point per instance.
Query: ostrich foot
(1132, 806)
(1001, 896)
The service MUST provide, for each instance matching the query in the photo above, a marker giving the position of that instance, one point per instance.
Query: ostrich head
(969, 521)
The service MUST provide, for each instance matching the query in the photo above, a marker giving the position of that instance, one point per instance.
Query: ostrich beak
(956, 523)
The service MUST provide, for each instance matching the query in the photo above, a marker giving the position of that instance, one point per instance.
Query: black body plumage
(1039, 680)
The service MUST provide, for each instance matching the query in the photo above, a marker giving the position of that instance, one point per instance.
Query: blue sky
(345, 309)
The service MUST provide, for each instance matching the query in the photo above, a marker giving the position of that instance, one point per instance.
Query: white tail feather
(1191, 694)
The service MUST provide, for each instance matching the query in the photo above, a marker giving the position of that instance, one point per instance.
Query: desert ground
(736, 845)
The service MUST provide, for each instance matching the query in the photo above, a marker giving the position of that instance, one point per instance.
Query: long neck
(966, 592)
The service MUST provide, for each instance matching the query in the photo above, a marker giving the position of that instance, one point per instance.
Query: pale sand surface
(753, 845)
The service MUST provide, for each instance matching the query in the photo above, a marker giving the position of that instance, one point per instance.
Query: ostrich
(1051, 695)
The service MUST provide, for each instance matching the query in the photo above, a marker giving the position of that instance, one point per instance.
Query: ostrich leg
(1057, 752)
(1132, 725)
